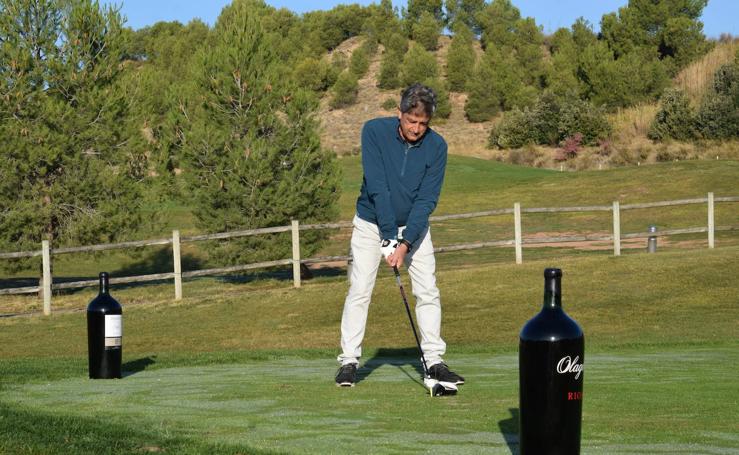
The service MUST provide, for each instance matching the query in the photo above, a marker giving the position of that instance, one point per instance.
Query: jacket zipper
(405, 158)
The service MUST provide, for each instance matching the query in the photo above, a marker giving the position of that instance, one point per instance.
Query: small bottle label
(113, 330)
(113, 325)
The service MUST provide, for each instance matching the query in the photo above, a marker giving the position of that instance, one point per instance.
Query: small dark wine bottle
(551, 356)
(104, 334)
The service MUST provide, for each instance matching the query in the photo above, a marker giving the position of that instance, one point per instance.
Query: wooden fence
(46, 286)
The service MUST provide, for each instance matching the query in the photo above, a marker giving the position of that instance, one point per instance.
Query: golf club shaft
(410, 318)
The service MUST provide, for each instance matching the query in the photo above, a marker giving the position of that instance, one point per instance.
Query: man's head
(417, 106)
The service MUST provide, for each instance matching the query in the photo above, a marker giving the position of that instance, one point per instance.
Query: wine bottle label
(569, 365)
(112, 342)
(113, 326)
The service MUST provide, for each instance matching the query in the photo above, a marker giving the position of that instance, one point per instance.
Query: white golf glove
(388, 246)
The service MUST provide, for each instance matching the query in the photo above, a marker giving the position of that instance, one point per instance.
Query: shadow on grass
(398, 358)
(509, 428)
(161, 262)
(136, 366)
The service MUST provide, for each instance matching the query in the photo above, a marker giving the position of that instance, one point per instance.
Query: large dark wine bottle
(104, 334)
(550, 359)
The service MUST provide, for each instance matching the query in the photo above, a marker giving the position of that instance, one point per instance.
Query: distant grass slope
(674, 297)
(473, 184)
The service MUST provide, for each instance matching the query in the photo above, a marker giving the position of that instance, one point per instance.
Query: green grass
(471, 185)
(247, 367)
(244, 364)
(634, 401)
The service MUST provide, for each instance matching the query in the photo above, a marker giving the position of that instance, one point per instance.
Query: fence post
(296, 253)
(616, 229)
(177, 264)
(517, 231)
(46, 281)
(711, 226)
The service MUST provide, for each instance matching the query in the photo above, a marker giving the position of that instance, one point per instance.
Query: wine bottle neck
(104, 285)
(553, 292)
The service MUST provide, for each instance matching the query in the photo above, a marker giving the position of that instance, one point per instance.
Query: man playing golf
(403, 162)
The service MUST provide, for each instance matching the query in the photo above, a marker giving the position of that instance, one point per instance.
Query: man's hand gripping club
(394, 251)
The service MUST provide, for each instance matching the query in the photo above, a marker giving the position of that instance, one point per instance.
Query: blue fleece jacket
(402, 180)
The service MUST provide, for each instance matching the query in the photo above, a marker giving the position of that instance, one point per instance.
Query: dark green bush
(390, 104)
(514, 130)
(418, 65)
(718, 116)
(344, 90)
(426, 31)
(389, 76)
(550, 122)
(396, 43)
(579, 116)
(359, 62)
(314, 74)
(443, 106)
(460, 59)
(675, 119)
(545, 116)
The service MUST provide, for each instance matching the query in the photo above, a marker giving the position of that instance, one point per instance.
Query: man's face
(413, 124)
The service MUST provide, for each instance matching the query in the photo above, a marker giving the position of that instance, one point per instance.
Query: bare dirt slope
(341, 127)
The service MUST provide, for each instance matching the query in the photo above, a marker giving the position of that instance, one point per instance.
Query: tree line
(97, 120)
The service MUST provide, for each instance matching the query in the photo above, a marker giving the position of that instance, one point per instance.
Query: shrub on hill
(418, 65)
(443, 106)
(314, 74)
(550, 122)
(344, 91)
(718, 115)
(675, 119)
(389, 76)
(460, 60)
(426, 31)
(359, 62)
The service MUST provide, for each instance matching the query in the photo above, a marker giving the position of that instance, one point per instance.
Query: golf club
(436, 388)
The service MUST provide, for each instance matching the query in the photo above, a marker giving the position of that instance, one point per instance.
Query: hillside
(628, 146)
(340, 127)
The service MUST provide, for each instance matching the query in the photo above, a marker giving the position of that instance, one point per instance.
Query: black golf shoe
(347, 375)
(441, 372)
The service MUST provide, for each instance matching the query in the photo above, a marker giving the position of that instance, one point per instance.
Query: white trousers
(421, 266)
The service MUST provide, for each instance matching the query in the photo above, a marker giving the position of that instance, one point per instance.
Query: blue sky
(720, 16)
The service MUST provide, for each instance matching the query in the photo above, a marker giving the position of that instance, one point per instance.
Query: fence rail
(46, 286)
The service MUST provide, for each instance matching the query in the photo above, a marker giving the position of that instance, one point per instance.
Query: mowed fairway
(246, 366)
(222, 373)
(637, 401)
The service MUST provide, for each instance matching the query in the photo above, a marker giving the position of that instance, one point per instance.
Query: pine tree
(498, 20)
(670, 27)
(389, 76)
(344, 91)
(443, 106)
(418, 65)
(460, 58)
(562, 77)
(464, 12)
(66, 175)
(484, 100)
(417, 7)
(426, 31)
(251, 143)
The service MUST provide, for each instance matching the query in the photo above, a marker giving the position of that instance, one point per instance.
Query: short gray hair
(418, 96)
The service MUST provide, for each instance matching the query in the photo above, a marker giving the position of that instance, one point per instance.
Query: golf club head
(440, 388)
